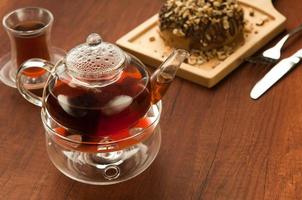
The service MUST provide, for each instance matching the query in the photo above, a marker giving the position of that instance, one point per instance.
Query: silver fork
(273, 54)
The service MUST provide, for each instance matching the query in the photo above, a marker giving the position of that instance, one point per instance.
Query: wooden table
(216, 143)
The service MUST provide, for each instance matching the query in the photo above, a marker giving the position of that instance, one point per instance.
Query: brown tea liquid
(29, 46)
(160, 83)
(100, 111)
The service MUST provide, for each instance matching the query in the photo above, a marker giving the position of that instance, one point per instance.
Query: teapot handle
(31, 63)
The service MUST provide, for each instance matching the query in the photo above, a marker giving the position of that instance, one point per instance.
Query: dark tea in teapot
(105, 111)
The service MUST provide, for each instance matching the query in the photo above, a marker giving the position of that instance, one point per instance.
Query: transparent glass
(29, 33)
(100, 109)
(75, 148)
(112, 159)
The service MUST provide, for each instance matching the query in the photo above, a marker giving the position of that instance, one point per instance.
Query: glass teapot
(99, 90)
(101, 110)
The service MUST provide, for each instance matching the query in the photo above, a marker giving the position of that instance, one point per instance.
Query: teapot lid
(95, 59)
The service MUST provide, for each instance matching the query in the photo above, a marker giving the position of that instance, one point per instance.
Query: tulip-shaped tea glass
(29, 33)
(101, 110)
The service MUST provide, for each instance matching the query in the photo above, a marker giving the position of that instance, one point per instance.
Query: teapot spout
(165, 74)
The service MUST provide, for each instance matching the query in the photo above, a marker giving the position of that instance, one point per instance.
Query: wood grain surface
(216, 143)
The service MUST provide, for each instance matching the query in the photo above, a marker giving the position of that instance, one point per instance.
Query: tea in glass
(29, 33)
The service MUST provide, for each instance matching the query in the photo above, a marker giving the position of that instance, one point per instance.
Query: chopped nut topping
(249, 28)
(175, 13)
(252, 12)
(152, 39)
(178, 32)
(210, 27)
(226, 24)
(192, 60)
(198, 57)
(259, 22)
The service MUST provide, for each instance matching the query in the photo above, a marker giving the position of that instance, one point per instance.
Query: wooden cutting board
(145, 43)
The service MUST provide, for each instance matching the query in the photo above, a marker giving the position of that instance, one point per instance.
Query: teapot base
(108, 167)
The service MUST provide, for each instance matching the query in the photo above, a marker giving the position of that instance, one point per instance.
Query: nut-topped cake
(205, 25)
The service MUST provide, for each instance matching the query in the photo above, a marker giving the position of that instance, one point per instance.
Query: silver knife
(277, 72)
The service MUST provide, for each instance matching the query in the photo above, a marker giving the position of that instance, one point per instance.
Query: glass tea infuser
(101, 110)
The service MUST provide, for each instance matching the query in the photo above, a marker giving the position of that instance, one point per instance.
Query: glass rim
(141, 132)
(46, 26)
